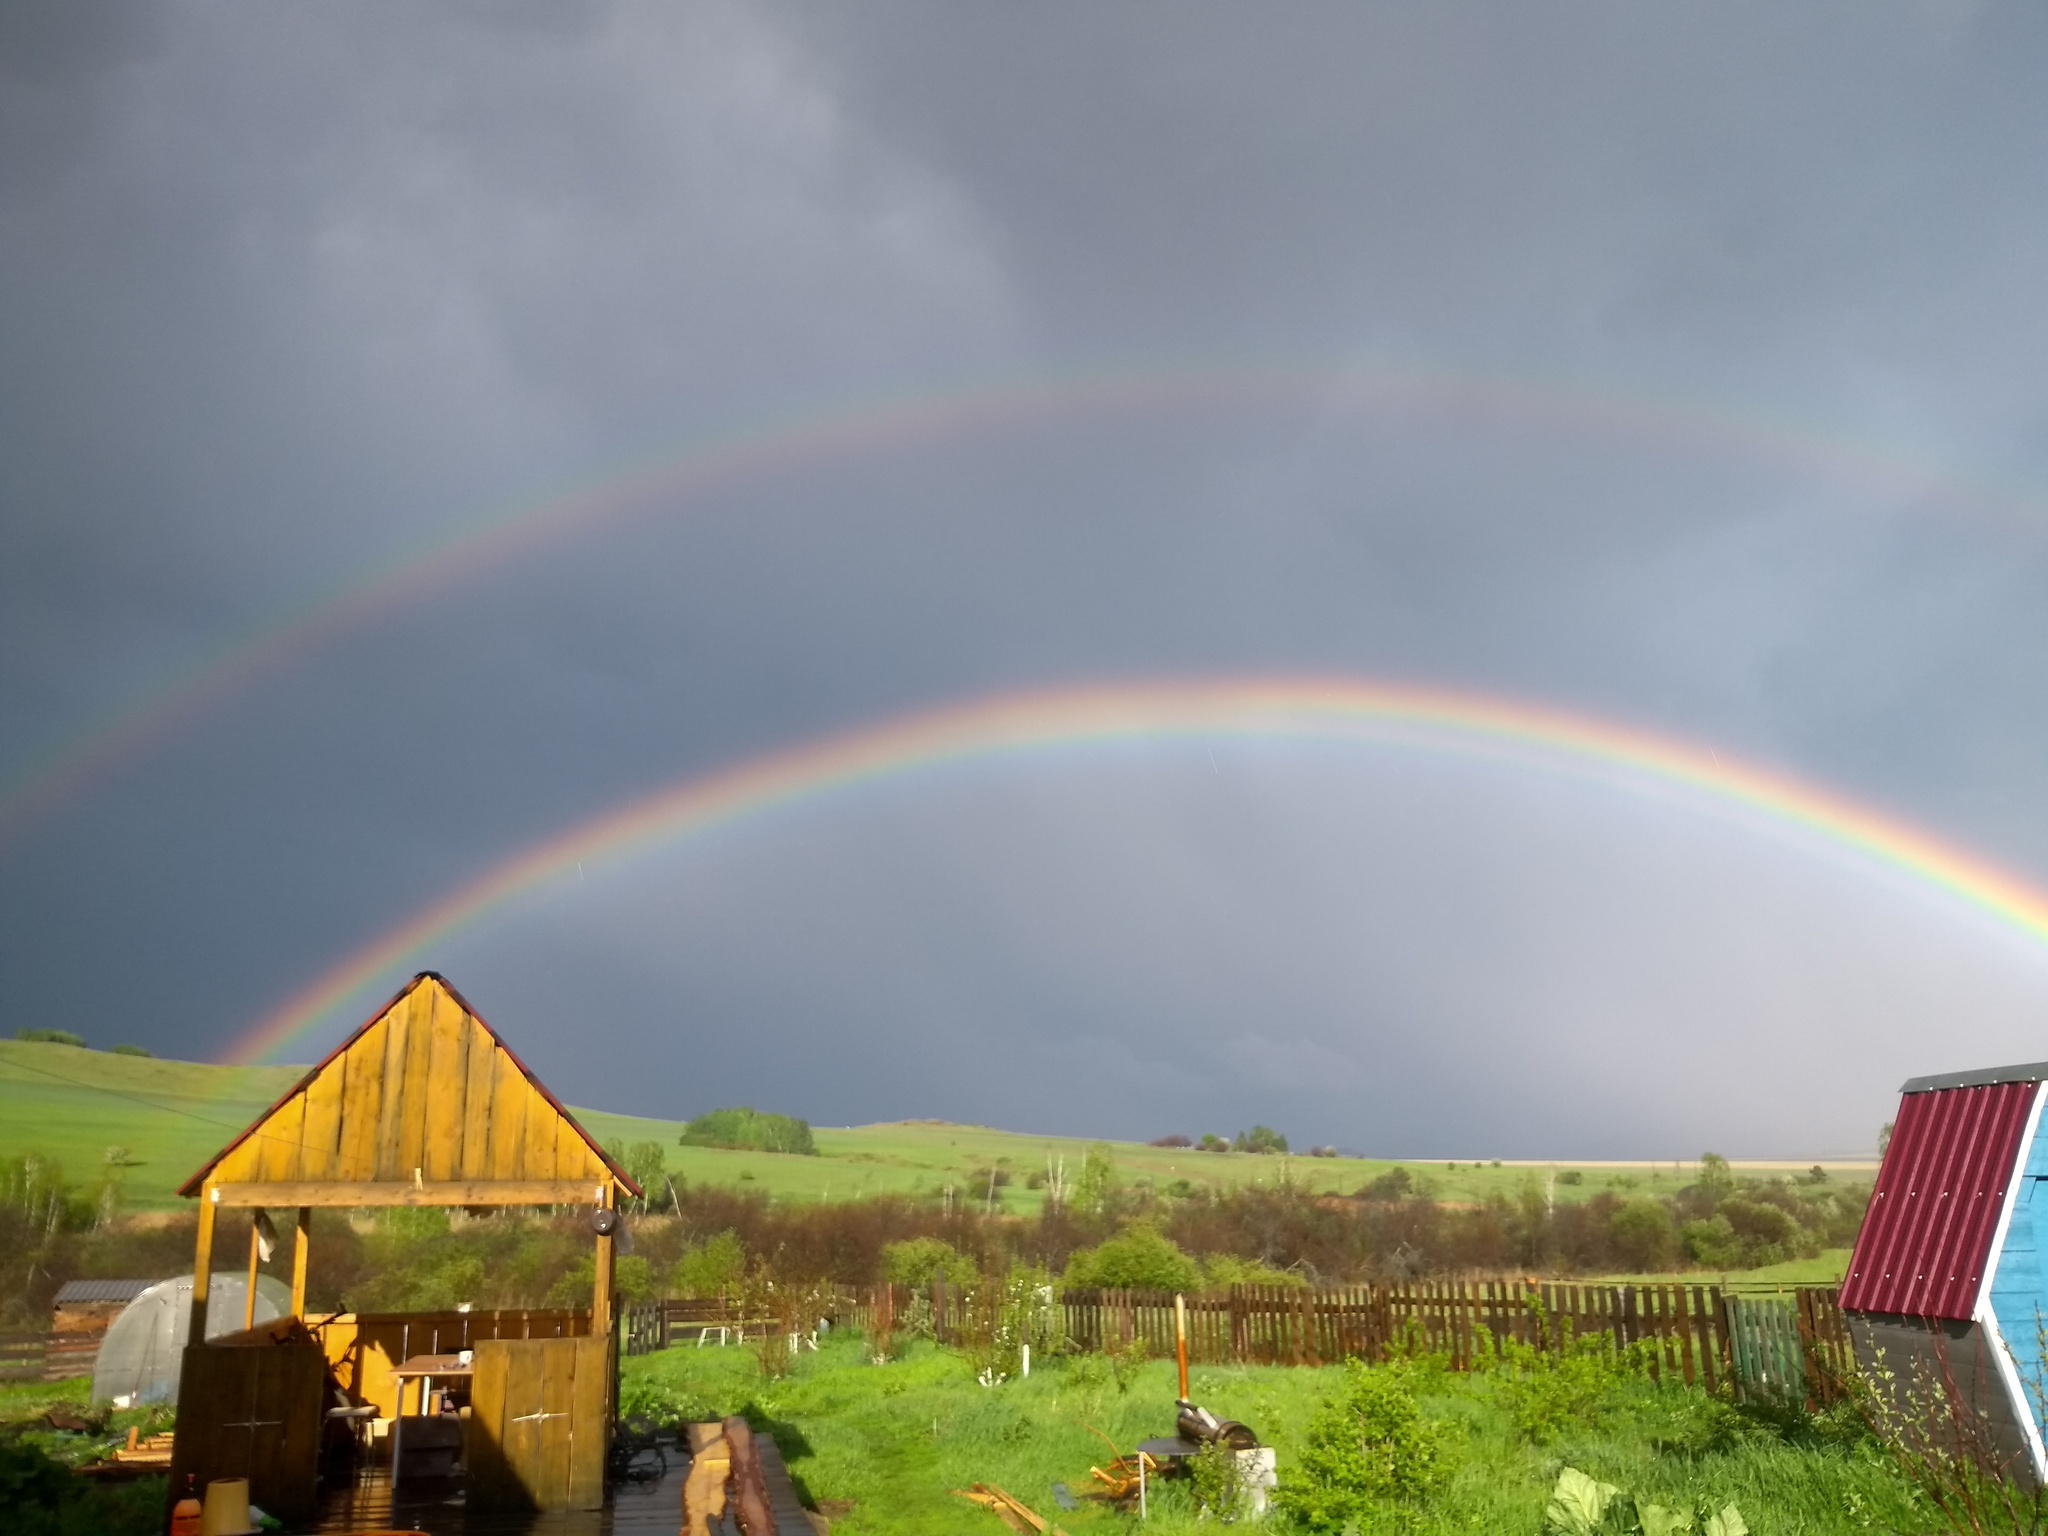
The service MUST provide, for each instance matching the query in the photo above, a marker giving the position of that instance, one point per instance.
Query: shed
(1946, 1288)
(424, 1105)
(90, 1306)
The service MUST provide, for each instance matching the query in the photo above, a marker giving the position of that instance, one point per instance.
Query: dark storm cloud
(293, 291)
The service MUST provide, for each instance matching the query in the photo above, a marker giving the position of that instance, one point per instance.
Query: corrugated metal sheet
(1926, 1241)
(79, 1293)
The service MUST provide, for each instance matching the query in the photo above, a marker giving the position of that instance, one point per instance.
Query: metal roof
(1926, 1239)
(80, 1293)
(2030, 1072)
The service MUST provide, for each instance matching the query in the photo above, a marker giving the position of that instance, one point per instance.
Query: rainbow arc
(1385, 716)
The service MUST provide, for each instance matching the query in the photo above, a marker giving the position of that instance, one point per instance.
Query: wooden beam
(202, 1268)
(384, 1192)
(255, 1253)
(601, 1300)
(302, 1249)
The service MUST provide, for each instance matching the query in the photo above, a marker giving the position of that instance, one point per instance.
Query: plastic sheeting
(144, 1348)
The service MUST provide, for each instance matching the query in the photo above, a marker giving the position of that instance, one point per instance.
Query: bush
(131, 1050)
(1220, 1271)
(1136, 1259)
(1392, 1185)
(51, 1036)
(921, 1260)
(1261, 1139)
(1565, 1381)
(749, 1130)
(709, 1268)
(1367, 1446)
(1174, 1141)
(40, 1497)
(1643, 1234)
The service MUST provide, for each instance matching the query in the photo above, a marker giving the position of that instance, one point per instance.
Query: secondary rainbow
(1326, 709)
(868, 427)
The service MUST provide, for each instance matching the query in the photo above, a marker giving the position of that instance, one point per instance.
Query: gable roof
(1925, 1244)
(425, 1091)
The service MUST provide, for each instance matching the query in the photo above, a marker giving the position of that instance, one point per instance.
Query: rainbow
(1302, 709)
(866, 427)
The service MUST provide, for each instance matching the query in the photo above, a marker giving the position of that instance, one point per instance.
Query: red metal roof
(1926, 1240)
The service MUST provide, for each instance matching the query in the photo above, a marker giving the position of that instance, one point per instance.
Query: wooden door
(253, 1411)
(539, 1423)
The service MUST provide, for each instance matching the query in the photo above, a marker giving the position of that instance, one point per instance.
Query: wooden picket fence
(1792, 1343)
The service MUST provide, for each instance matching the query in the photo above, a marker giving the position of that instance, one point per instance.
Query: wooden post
(601, 1298)
(255, 1253)
(302, 1247)
(202, 1268)
(1180, 1341)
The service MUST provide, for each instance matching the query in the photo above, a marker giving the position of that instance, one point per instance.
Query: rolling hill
(168, 1117)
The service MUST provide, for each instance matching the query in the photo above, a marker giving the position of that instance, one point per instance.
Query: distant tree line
(1097, 1230)
(750, 1130)
(66, 1037)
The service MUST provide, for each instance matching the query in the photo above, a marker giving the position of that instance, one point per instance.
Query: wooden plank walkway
(638, 1509)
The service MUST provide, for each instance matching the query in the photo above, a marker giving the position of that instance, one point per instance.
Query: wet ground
(437, 1506)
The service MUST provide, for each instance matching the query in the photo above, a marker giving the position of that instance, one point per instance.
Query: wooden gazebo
(422, 1106)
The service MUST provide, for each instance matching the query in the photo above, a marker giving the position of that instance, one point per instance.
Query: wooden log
(749, 1484)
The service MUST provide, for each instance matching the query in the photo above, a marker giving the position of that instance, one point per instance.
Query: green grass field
(171, 1116)
(880, 1448)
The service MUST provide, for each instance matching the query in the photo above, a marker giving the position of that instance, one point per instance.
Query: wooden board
(253, 1411)
(539, 1424)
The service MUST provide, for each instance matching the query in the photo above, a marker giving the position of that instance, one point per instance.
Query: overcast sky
(1741, 310)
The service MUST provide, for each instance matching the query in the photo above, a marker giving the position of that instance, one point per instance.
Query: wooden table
(425, 1369)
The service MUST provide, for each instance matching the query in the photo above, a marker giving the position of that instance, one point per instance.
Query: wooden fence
(1793, 1343)
(47, 1356)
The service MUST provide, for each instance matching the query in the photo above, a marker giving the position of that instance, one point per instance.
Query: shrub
(1220, 1271)
(1564, 1380)
(1174, 1141)
(1002, 1315)
(50, 1036)
(1392, 1185)
(749, 1130)
(1136, 1259)
(131, 1050)
(1211, 1142)
(921, 1260)
(1261, 1139)
(1367, 1446)
(709, 1268)
(1643, 1234)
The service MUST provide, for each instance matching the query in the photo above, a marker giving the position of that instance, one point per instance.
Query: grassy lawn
(1828, 1268)
(171, 1116)
(879, 1447)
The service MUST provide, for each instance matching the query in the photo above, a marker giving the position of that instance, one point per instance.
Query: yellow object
(227, 1508)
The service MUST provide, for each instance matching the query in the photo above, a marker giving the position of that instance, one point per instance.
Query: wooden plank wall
(425, 1091)
(1689, 1332)
(252, 1411)
(362, 1349)
(537, 1430)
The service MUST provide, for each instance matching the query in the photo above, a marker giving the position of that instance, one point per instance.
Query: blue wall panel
(2019, 1287)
